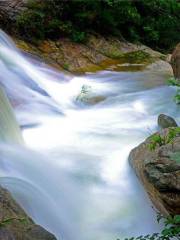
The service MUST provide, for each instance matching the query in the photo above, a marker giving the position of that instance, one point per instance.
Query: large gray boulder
(15, 224)
(165, 121)
(159, 170)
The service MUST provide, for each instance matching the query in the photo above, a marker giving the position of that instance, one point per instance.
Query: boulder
(159, 171)
(175, 62)
(165, 121)
(87, 96)
(160, 66)
(15, 224)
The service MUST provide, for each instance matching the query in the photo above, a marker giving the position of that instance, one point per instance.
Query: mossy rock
(138, 57)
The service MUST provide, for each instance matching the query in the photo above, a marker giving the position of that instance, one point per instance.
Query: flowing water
(73, 176)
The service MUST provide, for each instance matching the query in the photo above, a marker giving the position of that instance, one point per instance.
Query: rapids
(73, 175)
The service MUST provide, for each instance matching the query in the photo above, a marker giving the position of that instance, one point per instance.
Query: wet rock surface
(175, 61)
(159, 171)
(96, 54)
(165, 121)
(15, 224)
(88, 96)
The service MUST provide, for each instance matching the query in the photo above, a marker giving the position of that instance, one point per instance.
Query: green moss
(138, 57)
(8, 221)
(66, 66)
(163, 57)
(113, 53)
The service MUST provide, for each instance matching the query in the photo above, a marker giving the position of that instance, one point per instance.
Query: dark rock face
(165, 121)
(9, 9)
(159, 171)
(20, 226)
(175, 61)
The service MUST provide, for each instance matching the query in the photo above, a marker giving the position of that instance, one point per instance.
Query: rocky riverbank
(15, 224)
(96, 54)
(157, 164)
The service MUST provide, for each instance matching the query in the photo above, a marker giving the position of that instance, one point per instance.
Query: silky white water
(73, 176)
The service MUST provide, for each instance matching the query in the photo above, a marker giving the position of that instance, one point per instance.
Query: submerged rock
(88, 96)
(15, 224)
(165, 121)
(159, 171)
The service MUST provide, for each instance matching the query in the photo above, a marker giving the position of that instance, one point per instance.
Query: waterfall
(9, 128)
(73, 177)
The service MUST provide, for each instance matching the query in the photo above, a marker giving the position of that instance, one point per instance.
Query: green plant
(30, 24)
(79, 37)
(175, 82)
(157, 140)
(66, 66)
(171, 229)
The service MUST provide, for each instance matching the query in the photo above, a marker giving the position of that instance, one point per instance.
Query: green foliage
(177, 96)
(155, 22)
(173, 82)
(157, 140)
(66, 66)
(171, 230)
(78, 37)
(176, 83)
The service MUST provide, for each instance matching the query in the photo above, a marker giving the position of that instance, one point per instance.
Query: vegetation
(157, 140)
(8, 221)
(138, 57)
(170, 231)
(153, 22)
(176, 83)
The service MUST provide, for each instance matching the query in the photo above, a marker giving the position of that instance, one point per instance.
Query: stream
(72, 174)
